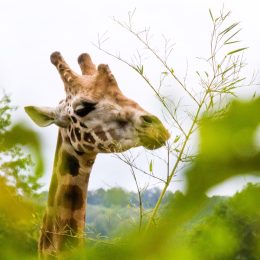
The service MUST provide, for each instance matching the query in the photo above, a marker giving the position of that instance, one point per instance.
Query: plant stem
(139, 199)
(156, 208)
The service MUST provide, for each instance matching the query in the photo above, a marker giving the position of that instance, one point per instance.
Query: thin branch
(145, 42)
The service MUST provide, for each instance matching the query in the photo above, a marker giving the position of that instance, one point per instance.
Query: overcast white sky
(31, 30)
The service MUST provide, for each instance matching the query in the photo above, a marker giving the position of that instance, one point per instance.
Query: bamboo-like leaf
(228, 69)
(225, 16)
(165, 73)
(211, 103)
(238, 50)
(231, 42)
(151, 166)
(177, 138)
(233, 35)
(141, 69)
(229, 28)
(237, 81)
(211, 15)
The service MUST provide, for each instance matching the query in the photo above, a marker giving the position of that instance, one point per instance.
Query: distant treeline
(119, 197)
(113, 210)
(122, 198)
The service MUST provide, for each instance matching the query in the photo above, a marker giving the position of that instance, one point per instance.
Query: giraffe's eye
(84, 108)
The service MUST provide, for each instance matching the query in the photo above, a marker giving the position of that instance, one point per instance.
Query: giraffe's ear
(42, 116)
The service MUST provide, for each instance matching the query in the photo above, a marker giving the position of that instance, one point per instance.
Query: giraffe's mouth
(152, 133)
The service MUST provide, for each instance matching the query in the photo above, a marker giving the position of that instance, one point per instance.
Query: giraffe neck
(64, 219)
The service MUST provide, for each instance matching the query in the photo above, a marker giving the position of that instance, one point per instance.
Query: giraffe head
(95, 116)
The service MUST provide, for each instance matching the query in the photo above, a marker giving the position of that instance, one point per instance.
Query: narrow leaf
(151, 166)
(234, 34)
(231, 42)
(211, 15)
(238, 50)
(229, 28)
(177, 138)
(142, 69)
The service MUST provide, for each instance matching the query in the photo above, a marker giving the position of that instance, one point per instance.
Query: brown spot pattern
(89, 138)
(69, 164)
(70, 197)
(101, 134)
(77, 132)
(74, 119)
(83, 125)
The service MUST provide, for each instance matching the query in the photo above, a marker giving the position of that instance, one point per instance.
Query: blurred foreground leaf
(19, 185)
(228, 147)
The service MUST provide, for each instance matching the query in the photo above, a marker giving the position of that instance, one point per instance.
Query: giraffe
(95, 117)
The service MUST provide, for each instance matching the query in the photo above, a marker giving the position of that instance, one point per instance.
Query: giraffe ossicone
(94, 117)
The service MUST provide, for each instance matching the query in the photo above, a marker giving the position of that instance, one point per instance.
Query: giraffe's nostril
(147, 119)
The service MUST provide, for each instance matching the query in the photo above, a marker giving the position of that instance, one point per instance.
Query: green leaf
(232, 42)
(227, 147)
(234, 34)
(165, 73)
(151, 166)
(236, 51)
(211, 15)
(232, 26)
(139, 69)
(177, 138)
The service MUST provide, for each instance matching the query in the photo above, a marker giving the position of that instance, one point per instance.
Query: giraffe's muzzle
(152, 133)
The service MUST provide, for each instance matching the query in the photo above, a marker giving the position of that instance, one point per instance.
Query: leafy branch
(216, 84)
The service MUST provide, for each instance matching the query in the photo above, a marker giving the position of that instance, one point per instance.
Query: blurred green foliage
(19, 184)
(228, 146)
(188, 228)
(15, 161)
(233, 230)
